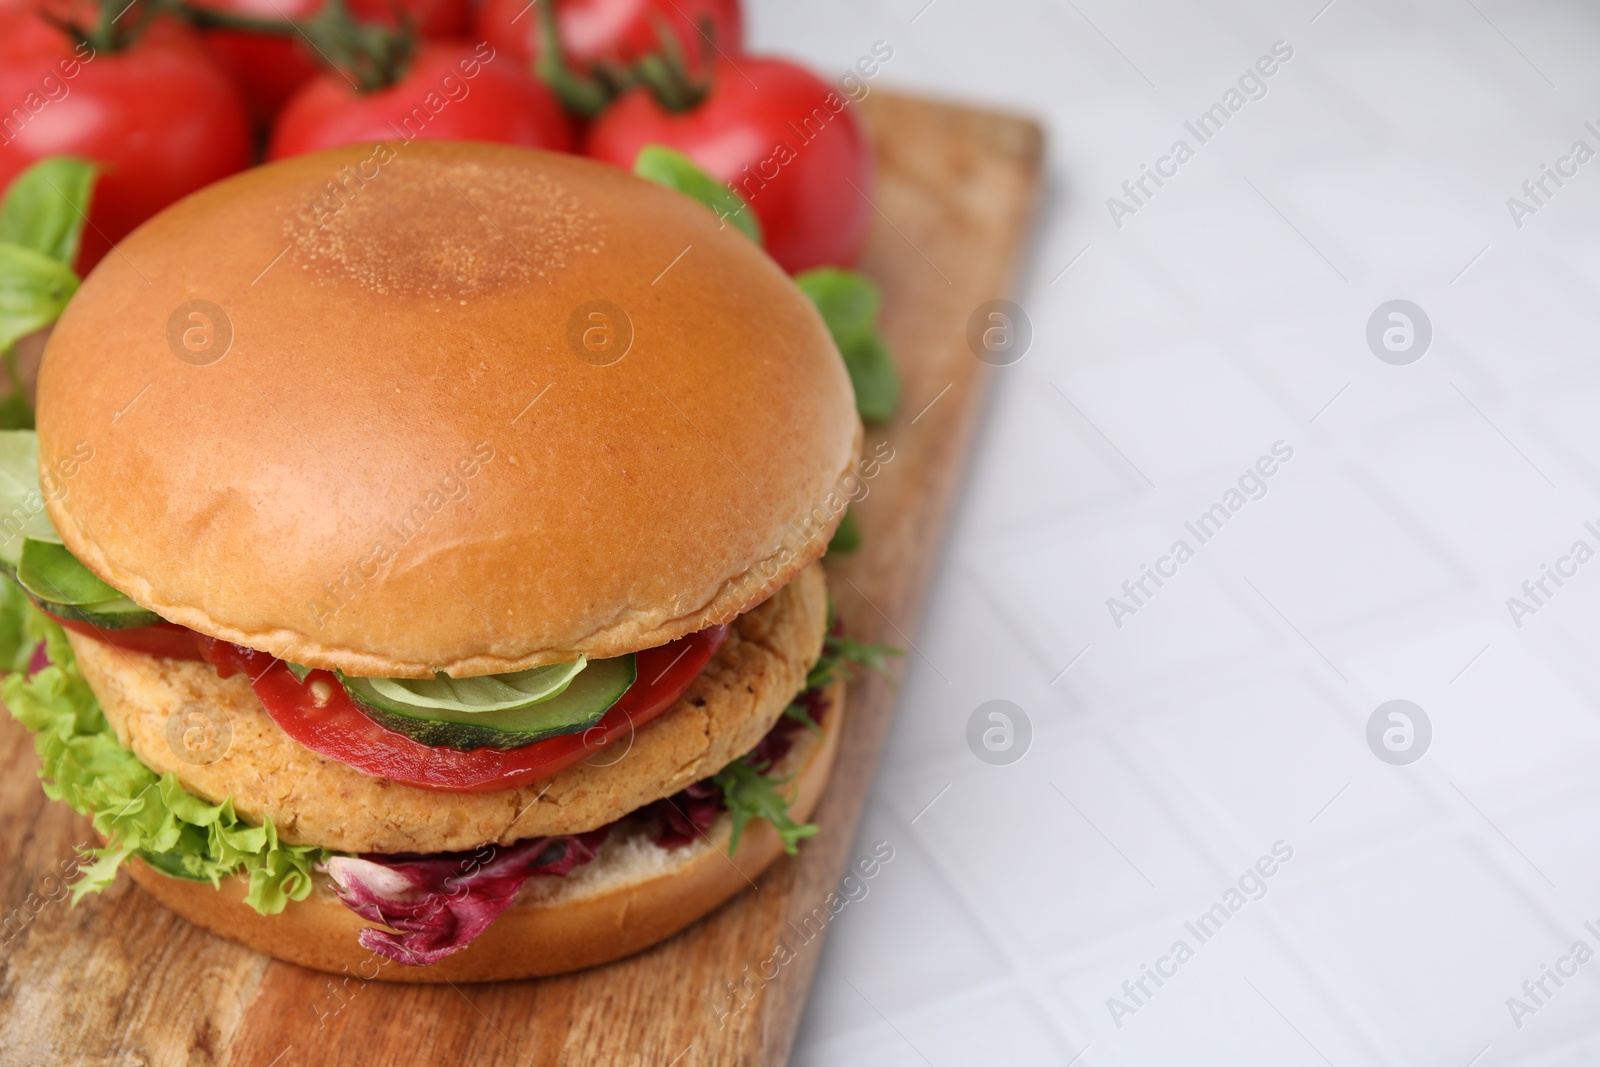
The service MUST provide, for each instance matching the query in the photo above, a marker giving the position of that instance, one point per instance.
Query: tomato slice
(165, 639)
(318, 714)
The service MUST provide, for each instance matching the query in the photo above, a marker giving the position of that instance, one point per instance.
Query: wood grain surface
(119, 980)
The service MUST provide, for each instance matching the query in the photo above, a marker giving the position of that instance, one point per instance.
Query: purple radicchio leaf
(687, 814)
(437, 904)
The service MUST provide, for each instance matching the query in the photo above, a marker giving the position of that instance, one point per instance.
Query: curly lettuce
(137, 812)
(748, 790)
(749, 794)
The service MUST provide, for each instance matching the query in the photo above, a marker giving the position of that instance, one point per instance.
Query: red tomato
(269, 68)
(616, 30)
(782, 138)
(336, 728)
(159, 116)
(449, 93)
(165, 639)
(435, 19)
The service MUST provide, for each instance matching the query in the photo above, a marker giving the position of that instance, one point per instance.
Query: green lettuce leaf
(874, 377)
(802, 715)
(841, 654)
(846, 537)
(33, 290)
(134, 809)
(664, 166)
(42, 216)
(749, 794)
(46, 207)
(849, 303)
(15, 411)
(16, 646)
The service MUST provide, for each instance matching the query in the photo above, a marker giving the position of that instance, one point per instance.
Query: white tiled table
(1230, 713)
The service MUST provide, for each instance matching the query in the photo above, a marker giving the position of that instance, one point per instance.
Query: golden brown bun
(401, 464)
(632, 895)
(314, 800)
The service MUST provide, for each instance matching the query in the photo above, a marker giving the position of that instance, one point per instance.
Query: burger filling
(433, 904)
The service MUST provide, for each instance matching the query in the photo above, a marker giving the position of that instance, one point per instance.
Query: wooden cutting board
(120, 981)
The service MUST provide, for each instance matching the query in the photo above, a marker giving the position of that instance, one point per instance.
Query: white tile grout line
(956, 1004)
(1456, 821)
(890, 1023)
(1020, 968)
(1279, 1012)
(1102, 834)
(1344, 991)
(1025, 636)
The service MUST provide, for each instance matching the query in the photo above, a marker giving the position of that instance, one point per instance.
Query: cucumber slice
(69, 590)
(21, 503)
(116, 614)
(492, 692)
(51, 573)
(581, 703)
